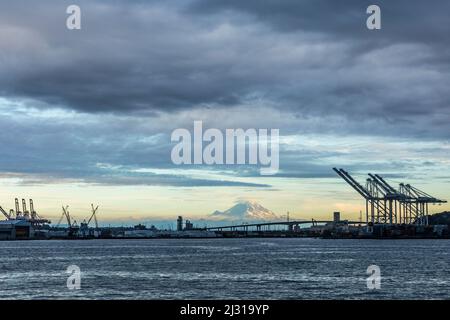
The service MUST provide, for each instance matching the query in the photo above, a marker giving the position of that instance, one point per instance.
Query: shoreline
(218, 238)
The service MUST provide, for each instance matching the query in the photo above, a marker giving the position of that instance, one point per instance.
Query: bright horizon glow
(303, 198)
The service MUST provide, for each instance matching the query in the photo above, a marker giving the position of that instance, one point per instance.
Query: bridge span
(291, 225)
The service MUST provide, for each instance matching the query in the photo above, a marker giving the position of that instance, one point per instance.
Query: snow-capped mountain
(246, 210)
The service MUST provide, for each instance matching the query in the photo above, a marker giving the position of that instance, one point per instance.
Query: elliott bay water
(295, 268)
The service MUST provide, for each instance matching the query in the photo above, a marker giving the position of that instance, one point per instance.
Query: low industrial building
(15, 229)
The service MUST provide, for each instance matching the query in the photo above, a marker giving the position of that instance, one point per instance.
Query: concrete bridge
(265, 226)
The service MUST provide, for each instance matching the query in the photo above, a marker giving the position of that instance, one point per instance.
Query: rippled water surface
(226, 269)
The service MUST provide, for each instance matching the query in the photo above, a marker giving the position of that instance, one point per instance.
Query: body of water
(293, 268)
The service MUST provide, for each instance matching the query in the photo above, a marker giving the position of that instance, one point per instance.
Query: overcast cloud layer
(100, 103)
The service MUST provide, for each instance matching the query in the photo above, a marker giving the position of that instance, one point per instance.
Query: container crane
(387, 205)
(25, 212)
(8, 217)
(66, 215)
(72, 225)
(33, 213)
(18, 213)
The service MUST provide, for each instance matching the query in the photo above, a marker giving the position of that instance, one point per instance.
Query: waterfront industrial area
(390, 213)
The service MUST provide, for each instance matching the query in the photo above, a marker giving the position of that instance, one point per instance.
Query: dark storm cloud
(56, 148)
(128, 56)
(301, 66)
(126, 180)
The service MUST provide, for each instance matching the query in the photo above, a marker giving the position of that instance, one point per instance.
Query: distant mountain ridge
(246, 210)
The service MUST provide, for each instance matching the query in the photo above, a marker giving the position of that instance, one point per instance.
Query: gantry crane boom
(67, 214)
(388, 186)
(353, 183)
(382, 185)
(8, 217)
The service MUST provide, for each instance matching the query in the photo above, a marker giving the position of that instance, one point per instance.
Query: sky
(86, 115)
